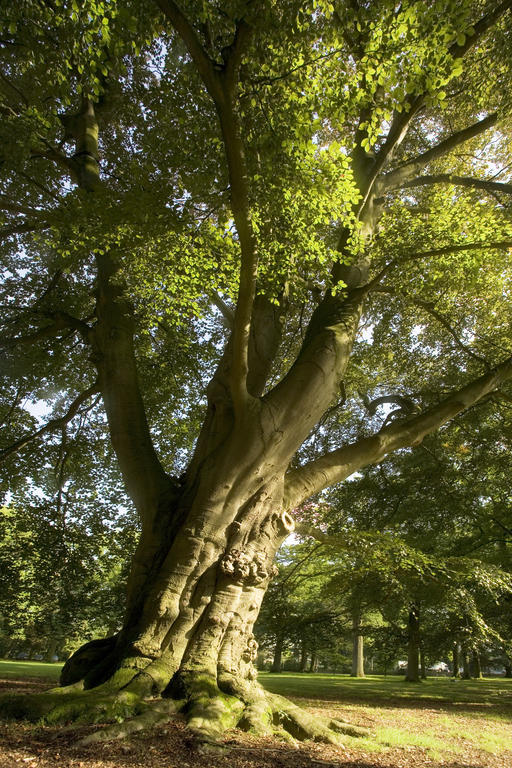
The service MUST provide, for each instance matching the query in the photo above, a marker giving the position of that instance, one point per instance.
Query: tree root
(152, 714)
(64, 705)
(208, 710)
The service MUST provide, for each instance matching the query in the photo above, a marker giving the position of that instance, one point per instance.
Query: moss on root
(59, 706)
(209, 712)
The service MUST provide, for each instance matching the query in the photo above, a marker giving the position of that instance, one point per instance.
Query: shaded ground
(467, 725)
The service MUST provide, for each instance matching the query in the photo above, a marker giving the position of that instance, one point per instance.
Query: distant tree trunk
(477, 665)
(313, 666)
(357, 646)
(303, 656)
(50, 650)
(508, 670)
(278, 654)
(413, 655)
(466, 673)
(423, 665)
(456, 660)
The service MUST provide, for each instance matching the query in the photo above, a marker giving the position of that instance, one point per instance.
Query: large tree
(203, 205)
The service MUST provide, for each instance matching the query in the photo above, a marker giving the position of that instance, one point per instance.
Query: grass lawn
(464, 721)
(24, 669)
(391, 690)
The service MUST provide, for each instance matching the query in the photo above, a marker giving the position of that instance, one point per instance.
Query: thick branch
(313, 382)
(61, 321)
(459, 181)
(266, 334)
(220, 83)
(112, 344)
(408, 170)
(52, 425)
(239, 194)
(205, 66)
(336, 466)
(114, 357)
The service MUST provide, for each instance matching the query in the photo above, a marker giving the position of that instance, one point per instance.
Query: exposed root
(209, 711)
(303, 725)
(64, 705)
(348, 728)
(153, 713)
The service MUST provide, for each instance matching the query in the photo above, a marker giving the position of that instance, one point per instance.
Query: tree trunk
(477, 665)
(303, 656)
(456, 661)
(313, 665)
(51, 649)
(423, 665)
(466, 673)
(413, 655)
(508, 670)
(195, 589)
(278, 653)
(357, 647)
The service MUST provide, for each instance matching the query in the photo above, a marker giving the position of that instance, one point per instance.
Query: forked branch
(408, 170)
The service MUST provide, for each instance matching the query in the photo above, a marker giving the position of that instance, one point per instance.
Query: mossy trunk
(413, 652)
(193, 600)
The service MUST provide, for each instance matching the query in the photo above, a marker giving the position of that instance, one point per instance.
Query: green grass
(23, 669)
(440, 717)
(391, 691)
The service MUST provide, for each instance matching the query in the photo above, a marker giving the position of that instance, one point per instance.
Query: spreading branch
(402, 120)
(53, 424)
(442, 320)
(205, 66)
(374, 283)
(334, 467)
(61, 321)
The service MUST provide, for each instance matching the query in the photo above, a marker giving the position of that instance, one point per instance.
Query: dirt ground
(170, 746)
